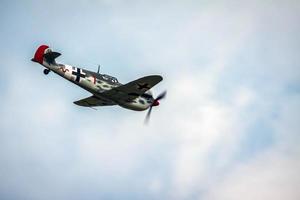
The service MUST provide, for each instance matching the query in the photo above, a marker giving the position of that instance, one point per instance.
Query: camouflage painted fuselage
(98, 84)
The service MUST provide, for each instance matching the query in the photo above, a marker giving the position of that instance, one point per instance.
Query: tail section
(44, 53)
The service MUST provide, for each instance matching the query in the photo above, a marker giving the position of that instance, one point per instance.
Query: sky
(228, 129)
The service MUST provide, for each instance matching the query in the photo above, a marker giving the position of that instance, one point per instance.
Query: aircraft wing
(133, 89)
(93, 101)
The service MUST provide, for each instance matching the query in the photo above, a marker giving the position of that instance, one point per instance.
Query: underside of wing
(133, 89)
(93, 101)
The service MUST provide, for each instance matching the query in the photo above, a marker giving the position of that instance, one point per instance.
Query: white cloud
(273, 175)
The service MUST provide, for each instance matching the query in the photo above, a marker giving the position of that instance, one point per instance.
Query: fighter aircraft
(106, 90)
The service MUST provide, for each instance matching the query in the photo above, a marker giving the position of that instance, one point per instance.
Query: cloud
(273, 175)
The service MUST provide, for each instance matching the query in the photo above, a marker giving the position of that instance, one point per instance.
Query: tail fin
(45, 53)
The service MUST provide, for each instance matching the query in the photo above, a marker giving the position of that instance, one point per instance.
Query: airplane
(106, 90)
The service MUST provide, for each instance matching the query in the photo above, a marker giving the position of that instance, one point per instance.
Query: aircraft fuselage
(97, 83)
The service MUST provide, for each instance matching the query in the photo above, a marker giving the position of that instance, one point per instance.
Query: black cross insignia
(143, 86)
(78, 75)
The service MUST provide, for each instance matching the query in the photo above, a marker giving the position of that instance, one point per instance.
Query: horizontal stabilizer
(51, 56)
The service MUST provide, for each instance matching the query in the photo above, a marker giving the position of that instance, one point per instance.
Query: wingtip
(161, 78)
(76, 103)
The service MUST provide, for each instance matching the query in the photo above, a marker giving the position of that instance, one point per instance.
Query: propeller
(154, 103)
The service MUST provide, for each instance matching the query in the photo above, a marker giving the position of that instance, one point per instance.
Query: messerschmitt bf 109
(106, 90)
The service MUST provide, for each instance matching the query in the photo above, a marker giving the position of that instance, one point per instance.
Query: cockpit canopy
(110, 78)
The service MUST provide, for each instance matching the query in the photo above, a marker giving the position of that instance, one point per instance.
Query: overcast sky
(228, 129)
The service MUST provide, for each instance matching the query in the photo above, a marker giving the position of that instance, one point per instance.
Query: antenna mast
(98, 69)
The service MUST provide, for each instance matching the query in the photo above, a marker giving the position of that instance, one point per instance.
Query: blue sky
(229, 128)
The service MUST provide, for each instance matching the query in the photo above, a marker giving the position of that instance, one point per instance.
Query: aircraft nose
(155, 103)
